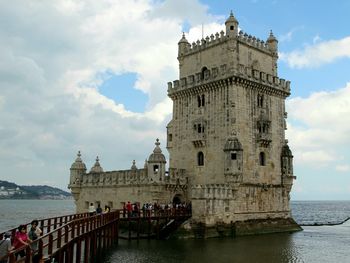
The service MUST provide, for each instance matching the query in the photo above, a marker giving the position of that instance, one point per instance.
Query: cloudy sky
(91, 76)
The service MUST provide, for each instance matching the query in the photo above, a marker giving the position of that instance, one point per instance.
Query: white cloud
(52, 56)
(318, 54)
(319, 126)
(342, 168)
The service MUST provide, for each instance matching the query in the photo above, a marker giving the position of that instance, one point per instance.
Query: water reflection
(264, 248)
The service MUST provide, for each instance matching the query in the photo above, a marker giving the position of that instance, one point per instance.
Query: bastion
(228, 155)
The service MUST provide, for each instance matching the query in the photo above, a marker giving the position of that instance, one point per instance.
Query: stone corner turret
(156, 164)
(77, 171)
(231, 26)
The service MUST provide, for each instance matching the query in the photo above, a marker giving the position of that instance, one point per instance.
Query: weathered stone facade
(226, 140)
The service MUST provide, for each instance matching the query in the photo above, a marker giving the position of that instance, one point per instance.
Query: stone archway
(178, 199)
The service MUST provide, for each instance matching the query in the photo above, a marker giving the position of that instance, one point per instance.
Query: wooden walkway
(80, 237)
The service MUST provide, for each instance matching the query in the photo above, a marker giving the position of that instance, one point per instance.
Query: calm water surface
(314, 244)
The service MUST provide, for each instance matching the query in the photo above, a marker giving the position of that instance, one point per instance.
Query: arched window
(199, 101)
(262, 160)
(203, 100)
(204, 69)
(155, 168)
(200, 159)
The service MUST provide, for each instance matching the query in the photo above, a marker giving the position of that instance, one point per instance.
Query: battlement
(253, 41)
(224, 72)
(212, 191)
(129, 177)
(219, 38)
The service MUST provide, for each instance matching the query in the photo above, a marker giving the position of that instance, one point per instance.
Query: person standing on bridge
(91, 209)
(5, 247)
(33, 234)
(21, 240)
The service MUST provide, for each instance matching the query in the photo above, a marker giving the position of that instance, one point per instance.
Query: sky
(92, 76)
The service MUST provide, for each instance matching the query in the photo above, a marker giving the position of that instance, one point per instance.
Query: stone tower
(228, 128)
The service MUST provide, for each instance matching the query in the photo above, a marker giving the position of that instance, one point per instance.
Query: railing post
(87, 249)
(50, 245)
(55, 223)
(59, 237)
(66, 233)
(40, 248)
(78, 252)
(28, 255)
(48, 225)
(12, 258)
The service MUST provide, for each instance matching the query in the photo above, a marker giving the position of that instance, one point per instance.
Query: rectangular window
(233, 156)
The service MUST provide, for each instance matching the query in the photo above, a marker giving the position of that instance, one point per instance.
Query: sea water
(314, 244)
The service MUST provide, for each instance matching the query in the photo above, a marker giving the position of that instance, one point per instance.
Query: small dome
(183, 39)
(78, 164)
(97, 167)
(271, 37)
(231, 19)
(286, 152)
(133, 166)
(233, 144)
(157, 156)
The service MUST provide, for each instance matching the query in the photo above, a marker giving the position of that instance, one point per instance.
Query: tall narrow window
(204, 69)
(199, 101)
(203, 100)
(199, 128)
(200, 159)
(262, 160)
(260, 100)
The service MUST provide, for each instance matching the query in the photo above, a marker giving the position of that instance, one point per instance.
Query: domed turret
(157, 156)
(133, 166)
(77, 170)
(286, 161)
(97, 167)
(156, 164)
(78, 164)
(231, 26)
(272, 42)
(183, 45)
(233, 160)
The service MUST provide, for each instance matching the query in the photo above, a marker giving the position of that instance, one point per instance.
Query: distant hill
(9, 190)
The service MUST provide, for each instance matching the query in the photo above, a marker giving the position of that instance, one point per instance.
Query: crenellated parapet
(219, 38)
(253, 41)
(242, 74)
(132, 177)
(212, 191)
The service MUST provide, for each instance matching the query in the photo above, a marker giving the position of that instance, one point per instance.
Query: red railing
(78, 237)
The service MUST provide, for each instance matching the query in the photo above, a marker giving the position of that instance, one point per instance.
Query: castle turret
(133, 166)
(97, 167)
(156, 164)
(183, 45)
(77, 170)
(231, 26)
(233, 160)
(272, 43)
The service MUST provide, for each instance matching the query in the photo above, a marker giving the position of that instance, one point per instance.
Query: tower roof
(271, 37)
(231, 19)
(133, 166)
(183, 39)
(97, 167)
(157, 156)
(78, 164)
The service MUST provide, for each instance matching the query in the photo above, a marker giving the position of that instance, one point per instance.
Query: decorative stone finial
(157, 143)
(133, 167)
